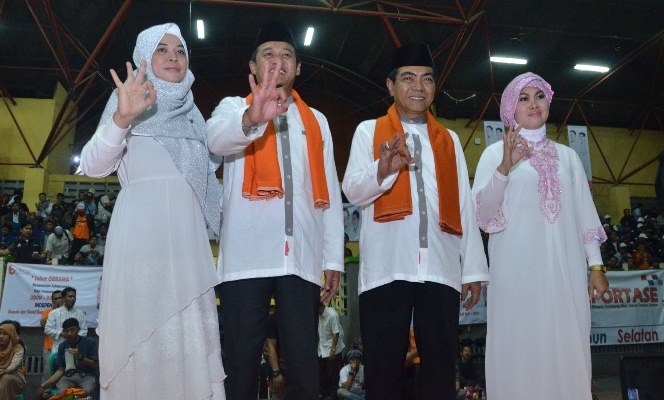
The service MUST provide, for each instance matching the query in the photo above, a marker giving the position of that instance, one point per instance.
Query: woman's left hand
(597, 285)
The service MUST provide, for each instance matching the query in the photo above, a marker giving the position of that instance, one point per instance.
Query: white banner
(631, 311)
(477, 314)
(493, 132)
(578, 140)
(28, 287)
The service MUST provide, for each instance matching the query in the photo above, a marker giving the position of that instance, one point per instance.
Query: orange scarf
(262, 176)
(396, 203)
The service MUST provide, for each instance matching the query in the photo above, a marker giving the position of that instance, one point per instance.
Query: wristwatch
(598, 267)
(250, 129)
(276, 373)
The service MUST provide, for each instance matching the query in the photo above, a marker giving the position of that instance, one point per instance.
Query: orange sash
(262, 176)
(396, 203)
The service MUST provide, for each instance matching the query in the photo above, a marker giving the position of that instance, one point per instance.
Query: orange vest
(81, 228)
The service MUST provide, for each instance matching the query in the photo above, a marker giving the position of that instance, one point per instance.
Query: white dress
(538, 305)
(158, 327)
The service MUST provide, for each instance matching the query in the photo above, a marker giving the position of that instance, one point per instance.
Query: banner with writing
(28, 287)
(631, 311)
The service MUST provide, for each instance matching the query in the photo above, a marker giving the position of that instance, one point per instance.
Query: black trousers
(244, 315)
(385, 316)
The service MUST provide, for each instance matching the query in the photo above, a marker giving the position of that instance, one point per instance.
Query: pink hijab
(511, 94)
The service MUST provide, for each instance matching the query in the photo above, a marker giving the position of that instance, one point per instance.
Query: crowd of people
(282, 238)
(59, 232)
(636, 242)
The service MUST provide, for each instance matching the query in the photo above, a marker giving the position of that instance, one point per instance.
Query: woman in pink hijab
(533, 197)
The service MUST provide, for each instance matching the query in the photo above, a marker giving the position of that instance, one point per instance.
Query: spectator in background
(93, 252)
(468, 375)
(90, 203)
(48, 229)
(101, 235)
(628, 219)
(39, 230)
(77, 362)
(78, 259)
(330, 347)
(641, 258)
(59, 207)
(58, 246)
(56, 300)
(83, 227)
(79, 199)
(53, 327)
(275, 362)
(16, 217)
(351, 378)
(12, 378)
(6, 236)
(26, 249)
(43, 207)
(104, 211)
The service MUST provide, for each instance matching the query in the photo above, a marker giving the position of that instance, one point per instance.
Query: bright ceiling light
(508, 60)
(200, 28)
(593, 68)
(309, 36)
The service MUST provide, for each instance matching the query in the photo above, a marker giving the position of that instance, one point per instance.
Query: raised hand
(134, 95)
(267, 100)
(514, 149)
(394, 155)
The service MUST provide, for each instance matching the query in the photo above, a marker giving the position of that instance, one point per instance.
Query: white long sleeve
(101, 155)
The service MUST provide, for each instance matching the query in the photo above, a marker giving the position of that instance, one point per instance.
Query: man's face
(627, 211)
(60, 198)
(49, 226)
(81, 196)
(26, 231)
(56, 299)
(70, 299)
(42, 197)
(413, 90)
(103, 229)
(71, 334)
(15, 207)
(5, 231)
(466, 353)
(267, 56)
(93, 241)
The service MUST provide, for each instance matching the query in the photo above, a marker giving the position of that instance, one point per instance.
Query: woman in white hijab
(532, 196)
(158, 329)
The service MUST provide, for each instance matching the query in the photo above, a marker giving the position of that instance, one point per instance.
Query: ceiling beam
(52, 136)
(625, 61)
(346, 10)
(389, 27)
(58, 41)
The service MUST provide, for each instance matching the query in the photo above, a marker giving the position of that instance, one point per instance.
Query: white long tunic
(158, 329)
(391, 251)
(538, 306)
(253, 235)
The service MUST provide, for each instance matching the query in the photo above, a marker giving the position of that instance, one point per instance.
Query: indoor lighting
(509, 60)
(200, 27)
(309, 36)
(593, 68)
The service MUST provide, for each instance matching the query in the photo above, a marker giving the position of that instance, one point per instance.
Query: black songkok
(274, 32)
(414, 54)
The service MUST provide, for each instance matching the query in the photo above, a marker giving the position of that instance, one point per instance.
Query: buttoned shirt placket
(281, 123)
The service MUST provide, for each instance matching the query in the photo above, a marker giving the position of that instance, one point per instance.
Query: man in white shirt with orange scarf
(420, 245)
(283, 222)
